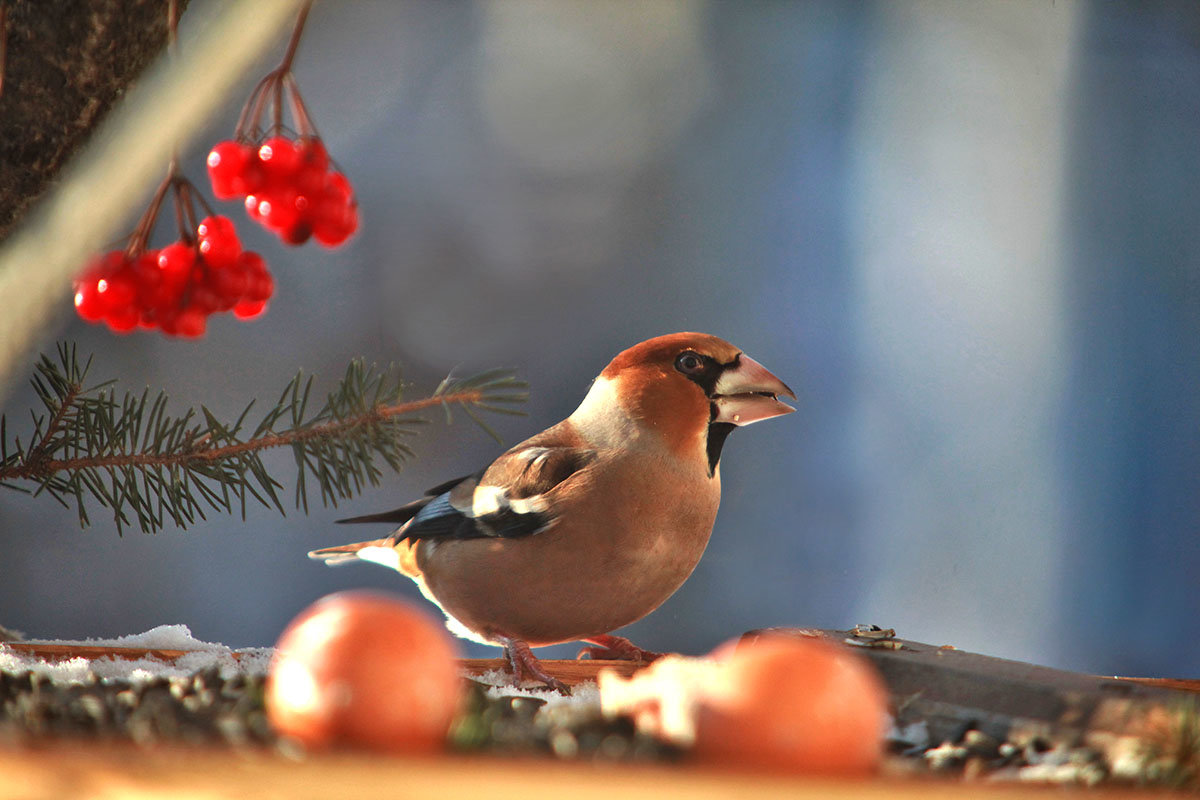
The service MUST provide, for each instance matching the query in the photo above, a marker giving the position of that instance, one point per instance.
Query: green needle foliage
(131, 456)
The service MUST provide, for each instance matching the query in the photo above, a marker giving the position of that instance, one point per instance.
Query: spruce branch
(133, 457)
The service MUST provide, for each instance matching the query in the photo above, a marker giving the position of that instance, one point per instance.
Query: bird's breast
(618, 547)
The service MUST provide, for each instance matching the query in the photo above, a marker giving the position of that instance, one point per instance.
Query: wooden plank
(66, 652)
(1181, 684)
(952, 690)
(110, 772)
(882, 651)
(569, 671)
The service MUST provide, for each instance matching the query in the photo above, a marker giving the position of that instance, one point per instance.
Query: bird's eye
(689, 363)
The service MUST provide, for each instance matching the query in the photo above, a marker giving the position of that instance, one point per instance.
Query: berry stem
(282, 72)
(252, 111)
(289, 54)
(141, 233)
(185, 214)
(185, 196)
(270, 90)
(277, 103)
(304, 123)
(199, 198)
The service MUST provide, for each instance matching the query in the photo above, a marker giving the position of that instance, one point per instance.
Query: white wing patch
(538, 504)
(488, 500)
(383, 556)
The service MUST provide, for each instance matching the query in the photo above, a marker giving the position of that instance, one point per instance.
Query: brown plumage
(593, 523)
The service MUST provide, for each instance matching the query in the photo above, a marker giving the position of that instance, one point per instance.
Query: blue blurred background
(965, 232)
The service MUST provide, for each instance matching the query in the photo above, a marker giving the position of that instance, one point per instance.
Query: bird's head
(689, 388)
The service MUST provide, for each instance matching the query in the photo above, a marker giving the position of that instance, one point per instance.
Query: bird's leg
(525, 665)
(616, 648)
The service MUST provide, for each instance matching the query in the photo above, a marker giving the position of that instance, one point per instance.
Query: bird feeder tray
(949, 690)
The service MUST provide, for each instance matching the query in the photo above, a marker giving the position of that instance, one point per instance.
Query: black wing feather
(520, 508)
(398, 516)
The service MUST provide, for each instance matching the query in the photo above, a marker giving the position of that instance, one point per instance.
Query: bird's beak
(747, 393)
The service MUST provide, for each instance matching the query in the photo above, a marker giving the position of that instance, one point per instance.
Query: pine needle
(147, 466)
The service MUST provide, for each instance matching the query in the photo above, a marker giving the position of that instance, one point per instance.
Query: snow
(200, 655)
(163, 637)
(498, 683)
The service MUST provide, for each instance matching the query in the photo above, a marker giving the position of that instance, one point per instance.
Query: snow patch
(200, 655)
(499, 684)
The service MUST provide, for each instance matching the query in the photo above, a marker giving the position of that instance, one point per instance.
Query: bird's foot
(616, 648)
(524, 665)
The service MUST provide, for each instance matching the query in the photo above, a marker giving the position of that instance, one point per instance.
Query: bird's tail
(343, 553)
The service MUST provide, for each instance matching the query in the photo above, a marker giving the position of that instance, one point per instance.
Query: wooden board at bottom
(180, 773)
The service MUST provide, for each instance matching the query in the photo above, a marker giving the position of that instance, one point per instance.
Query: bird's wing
(406, 512)
(509, 499)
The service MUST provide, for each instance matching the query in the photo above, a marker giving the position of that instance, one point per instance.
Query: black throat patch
(717, 431)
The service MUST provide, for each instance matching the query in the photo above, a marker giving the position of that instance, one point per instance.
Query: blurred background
(966, 233)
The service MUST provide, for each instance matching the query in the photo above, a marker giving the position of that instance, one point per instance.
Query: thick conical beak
(747, 393)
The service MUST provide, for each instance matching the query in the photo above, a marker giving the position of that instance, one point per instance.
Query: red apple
(367, 669)
(787, 704)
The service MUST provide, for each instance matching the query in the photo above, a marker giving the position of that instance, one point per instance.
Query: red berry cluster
(289, 187)
(178, 287)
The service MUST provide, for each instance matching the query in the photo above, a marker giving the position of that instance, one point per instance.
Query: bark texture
(67, 63)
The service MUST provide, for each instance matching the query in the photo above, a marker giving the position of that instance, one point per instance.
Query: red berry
(107, 286)
(230, 285)
(297, 234)
(175, 261)
(252, 203)
(88, 303)
(151, 288)
(278, 210)
(118, 292)
(336, 214)
(336, 225)
(259, 283)
(338, 189)
(190, 323)
(314, 161)
(204, 298)
(252, 178)
(313, 153)
(280, 159)
(123, 320)
(229, 169)
(260, 286)
(167, 321)
(299, 198)
(252, 262)
(219, 243)
(249, 309)
(217, 226)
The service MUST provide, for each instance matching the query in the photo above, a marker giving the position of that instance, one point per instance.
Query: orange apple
(367, 669)
(797, 705)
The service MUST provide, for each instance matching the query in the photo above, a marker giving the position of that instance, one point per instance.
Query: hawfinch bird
(592, 523)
